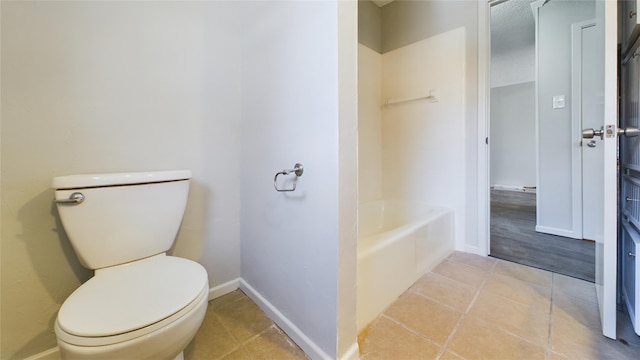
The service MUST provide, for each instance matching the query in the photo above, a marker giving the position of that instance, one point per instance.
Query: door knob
(590, 133)
(630, 131)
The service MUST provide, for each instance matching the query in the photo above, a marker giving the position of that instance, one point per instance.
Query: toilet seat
(130, 300)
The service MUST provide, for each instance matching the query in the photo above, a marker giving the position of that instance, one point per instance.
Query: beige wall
(130, 86)
(103, 87)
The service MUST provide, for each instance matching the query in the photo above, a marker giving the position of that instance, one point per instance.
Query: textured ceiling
(512, 26)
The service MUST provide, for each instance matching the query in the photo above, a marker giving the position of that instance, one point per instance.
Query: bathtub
(398, 242)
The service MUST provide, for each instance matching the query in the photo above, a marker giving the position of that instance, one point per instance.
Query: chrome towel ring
(298, 169)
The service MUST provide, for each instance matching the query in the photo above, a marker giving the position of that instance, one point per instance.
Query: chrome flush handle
(74, 199)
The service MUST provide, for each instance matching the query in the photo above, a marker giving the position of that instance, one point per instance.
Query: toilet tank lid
(101, 180)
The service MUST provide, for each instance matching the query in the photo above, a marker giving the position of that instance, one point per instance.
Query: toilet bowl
(140, 303)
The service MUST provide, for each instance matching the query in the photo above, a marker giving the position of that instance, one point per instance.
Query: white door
(587, 110)
(599, 112)
(606, 248)
(597, 52)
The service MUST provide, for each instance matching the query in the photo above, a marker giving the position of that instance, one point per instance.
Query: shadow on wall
(49, 271)
(195, 225)
(82, 274)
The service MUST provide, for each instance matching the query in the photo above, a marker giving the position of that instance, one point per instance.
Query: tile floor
(468, 307)
(235, 328)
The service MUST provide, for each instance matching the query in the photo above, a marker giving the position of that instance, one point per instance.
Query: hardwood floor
(513, 238)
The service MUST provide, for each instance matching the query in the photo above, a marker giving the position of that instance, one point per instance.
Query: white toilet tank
(124, 216)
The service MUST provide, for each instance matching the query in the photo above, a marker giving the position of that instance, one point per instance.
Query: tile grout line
(499, 328)
(548, 313)
(238, 343)
(522, 281)
(404, 326)
(553, 289)
(435, 301)
(464, 313)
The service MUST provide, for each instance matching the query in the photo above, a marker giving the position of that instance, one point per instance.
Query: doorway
(536, 165)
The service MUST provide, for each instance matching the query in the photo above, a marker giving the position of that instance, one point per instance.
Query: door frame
(484, 71)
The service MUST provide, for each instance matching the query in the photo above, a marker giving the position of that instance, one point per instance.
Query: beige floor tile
(426, 317)
(448, 355)
(483, 262)
(520, 291)
(506, 321)
(227, 299)
(273, 344)
(527, 322)
(244, 319)
(572, 339)
(212, 340)
(524, 273)
(577, 288)
(555, 356)
(577, 311)
(386, 340)
(475, 339)
(445, 290)
(238, 354)
(466, 274)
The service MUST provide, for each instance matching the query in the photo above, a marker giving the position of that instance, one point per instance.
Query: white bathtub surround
(411, 150)
(423, 142)
(369, 124)
(398, 242)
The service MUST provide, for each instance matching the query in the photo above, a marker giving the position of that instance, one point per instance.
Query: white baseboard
(526, 189)
(474, 250)
(559, 232)
(307, 345)
(51, 354)
(224, 289)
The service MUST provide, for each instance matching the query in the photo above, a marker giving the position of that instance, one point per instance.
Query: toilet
(141, 303)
